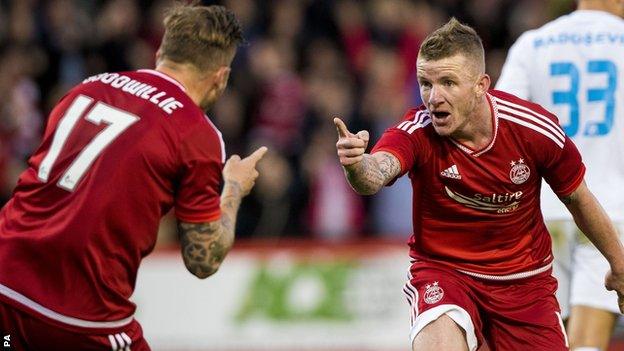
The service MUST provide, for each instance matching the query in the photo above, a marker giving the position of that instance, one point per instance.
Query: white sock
(586, 348)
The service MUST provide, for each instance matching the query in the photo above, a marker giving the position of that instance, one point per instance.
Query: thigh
(525, 316)
(433, 291)
(31, 333)
(590, 327)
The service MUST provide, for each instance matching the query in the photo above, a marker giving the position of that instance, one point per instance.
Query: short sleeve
(401, 140)
(201, 162)
(564, 169)
(514, 77)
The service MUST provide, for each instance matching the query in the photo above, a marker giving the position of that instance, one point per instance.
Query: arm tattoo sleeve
(205, 245)
(373, 172)
(202, 249)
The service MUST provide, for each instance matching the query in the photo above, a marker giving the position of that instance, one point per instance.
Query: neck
(598, 5)
(477, 133)
(186, 75)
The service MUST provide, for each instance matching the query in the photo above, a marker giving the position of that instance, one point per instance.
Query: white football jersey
(574, 67)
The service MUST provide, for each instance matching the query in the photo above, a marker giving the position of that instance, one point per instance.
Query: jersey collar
(163, 76)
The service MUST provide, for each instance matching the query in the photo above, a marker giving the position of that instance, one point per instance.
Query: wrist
(232, 191)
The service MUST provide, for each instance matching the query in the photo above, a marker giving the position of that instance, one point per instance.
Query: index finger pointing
(258, 154)
(343, 132)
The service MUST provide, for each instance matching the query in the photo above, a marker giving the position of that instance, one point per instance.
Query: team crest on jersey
(433, 293)
(519, 172)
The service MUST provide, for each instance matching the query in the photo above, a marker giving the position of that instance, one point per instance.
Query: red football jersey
(119, 151)
(479, 210)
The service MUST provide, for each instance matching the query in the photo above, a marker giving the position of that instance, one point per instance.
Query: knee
(441, 334)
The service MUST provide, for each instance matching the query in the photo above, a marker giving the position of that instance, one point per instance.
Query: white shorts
(580, 269)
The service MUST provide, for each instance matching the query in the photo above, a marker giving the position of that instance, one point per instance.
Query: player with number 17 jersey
(119, 151)
(478, 211)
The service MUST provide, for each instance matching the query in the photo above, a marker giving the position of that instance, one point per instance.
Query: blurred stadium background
(315, 266)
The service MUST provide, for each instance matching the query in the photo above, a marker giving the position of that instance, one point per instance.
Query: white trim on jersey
(411, 293)
(514, 276)
(532, 126)
(128, 340)
(563, 331)
(530, 119)
(532, 115)
(120, 342)
(220, 138)
(456, 313)
(163, 76)
(17, 297)
(495, 113)
(421, 119)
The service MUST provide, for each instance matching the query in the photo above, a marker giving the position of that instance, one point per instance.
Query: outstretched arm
(593, 221)
(366, 173)
(368, 176)
(205, 245)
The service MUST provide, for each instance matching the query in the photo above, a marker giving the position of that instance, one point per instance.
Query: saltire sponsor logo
(498, 203)
(421, 119)
(530, 119)
(451, 172)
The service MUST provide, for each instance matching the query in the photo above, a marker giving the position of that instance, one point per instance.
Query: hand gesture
(351, 147)
(615, 281)
(243, 171)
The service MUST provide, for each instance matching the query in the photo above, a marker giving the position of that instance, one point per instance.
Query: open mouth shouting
(440, 117)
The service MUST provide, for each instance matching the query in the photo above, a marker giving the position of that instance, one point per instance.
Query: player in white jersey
(574, 66)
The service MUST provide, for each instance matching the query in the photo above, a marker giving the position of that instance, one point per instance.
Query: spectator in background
(67, 40)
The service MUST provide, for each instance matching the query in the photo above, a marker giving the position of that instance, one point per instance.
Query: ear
(158, 55)
(223, 74)
(483, 85)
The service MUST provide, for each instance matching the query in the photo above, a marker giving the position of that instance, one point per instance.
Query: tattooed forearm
(373, 172)
(202, 248)
(205, 245)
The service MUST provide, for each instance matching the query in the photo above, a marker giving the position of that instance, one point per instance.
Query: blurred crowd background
(306, 61)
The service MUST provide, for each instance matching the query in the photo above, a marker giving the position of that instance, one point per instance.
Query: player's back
(85, 212)
(573, 67)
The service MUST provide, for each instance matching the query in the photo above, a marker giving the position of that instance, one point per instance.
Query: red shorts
(517, 315)
(30, 333)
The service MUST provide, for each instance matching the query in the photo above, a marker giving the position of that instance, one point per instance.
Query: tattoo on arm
(201, 248)
(205, 245)
(568, 199)
(373, 172)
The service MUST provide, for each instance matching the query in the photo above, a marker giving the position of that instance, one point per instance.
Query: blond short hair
(204, 36)
(451, 39)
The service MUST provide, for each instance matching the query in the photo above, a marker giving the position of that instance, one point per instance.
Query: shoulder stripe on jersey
(529, 118)
(532, 113)
(421, 119)
(532, 126)
(220, 138)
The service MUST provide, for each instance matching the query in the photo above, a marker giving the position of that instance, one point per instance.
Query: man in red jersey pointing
(481, 254)
(119, 151)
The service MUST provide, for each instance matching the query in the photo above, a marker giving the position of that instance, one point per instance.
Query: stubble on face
(452, 80)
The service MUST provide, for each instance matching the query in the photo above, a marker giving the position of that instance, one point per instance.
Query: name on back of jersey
(137, 88)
